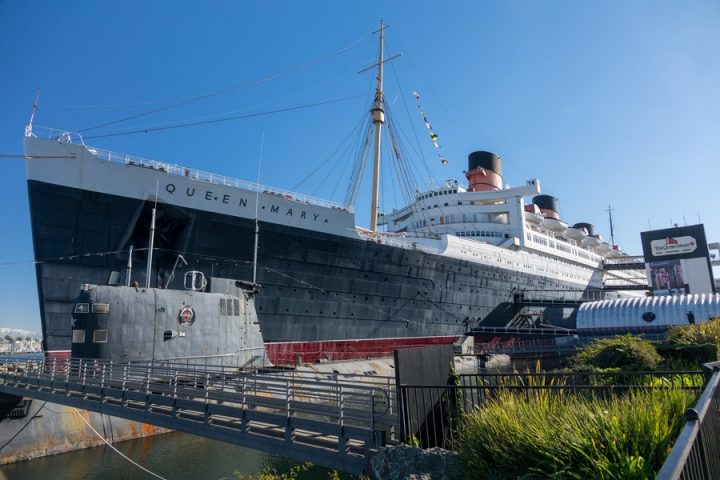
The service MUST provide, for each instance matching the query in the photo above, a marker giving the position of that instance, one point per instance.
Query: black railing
(696, 454)
(430, 414)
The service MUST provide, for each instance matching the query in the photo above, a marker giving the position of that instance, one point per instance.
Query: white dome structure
(650, 314)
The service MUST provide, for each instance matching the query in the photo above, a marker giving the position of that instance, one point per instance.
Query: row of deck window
(435, 194)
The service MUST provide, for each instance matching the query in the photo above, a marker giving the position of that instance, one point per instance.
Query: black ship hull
(316, 288)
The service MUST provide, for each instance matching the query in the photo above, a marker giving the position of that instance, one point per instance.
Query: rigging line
(33, 417)
(238, 117)
(398, 179)
(414, 206)
(467, 124)
(442, 309)
(341, 166)
(409, 188)
(351, 160)
(464, 123)
(395, 137)
(362, 152)
(404, 177)
(232, 88)
(12, 155)
(239, 110)
(419, 150)
(338, 295)
(363, 119)
(116, 450)
(90, 254)
(327, 159)
(69, 257)
(361, 160)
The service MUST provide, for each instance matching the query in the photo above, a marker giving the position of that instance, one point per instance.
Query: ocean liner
(327, 289)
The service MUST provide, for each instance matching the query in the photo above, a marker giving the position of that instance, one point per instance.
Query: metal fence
(430, 415)
(696, 454)
(332, 419)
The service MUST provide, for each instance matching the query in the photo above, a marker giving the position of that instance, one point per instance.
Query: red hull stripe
(291, 353)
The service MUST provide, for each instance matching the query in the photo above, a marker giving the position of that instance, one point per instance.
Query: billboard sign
(678, 260)
(674, 243)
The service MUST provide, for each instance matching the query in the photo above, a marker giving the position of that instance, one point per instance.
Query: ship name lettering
(302, 214)
(289, 212)
(274, 209)
(226, 198)
(190, 191)
(170, 188)
(316, 215)
(208, 195)
(243, 202)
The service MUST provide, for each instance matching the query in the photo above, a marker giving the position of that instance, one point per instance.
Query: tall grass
(699, 333)
(549, 434)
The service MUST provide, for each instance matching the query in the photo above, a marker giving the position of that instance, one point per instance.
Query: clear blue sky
(614, 102)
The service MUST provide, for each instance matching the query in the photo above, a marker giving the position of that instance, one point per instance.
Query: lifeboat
(591, 241)
(533, 218)
(554, 225)
(604, 248)
(575, 234)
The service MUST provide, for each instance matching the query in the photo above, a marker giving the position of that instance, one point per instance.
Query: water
(21, 357)
(173, 456)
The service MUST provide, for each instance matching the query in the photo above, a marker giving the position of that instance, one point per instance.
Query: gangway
(332, 420)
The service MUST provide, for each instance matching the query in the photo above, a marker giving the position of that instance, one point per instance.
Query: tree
(19, 339)
(9, 339)
(27, 339)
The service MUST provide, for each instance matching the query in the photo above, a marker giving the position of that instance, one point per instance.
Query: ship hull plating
(315, 287)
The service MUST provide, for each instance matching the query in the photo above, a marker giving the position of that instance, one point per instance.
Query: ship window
(100, 336)
(82, 308)
(78, 336)
(236, 305)
(100, 307)
(223, 307)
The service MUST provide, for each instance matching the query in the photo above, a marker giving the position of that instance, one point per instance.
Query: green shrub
(699, 333)
(692, 355)
(627, 352)
(544, 434)
(270, 473)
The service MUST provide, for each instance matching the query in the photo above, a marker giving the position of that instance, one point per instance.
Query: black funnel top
(587, 226)
(486, 160)
(546, 202)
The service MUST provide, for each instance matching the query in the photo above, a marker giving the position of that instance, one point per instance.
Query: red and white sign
(673, 246)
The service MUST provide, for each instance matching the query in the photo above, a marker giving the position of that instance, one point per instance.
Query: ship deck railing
(174, 169)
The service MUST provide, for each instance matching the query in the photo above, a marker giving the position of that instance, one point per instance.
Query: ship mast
(28, 129)
(612, 229)
(378, 117)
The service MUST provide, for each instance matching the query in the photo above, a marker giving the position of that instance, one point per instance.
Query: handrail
(200, 175)
(694, 455)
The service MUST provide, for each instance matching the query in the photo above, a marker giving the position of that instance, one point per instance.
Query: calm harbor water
(172, 456)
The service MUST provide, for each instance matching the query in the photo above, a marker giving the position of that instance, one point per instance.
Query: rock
(403, 462)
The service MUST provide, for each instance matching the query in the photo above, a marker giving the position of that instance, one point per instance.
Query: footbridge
(333, 420)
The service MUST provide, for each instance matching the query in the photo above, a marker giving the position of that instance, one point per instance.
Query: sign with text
(674, 243)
